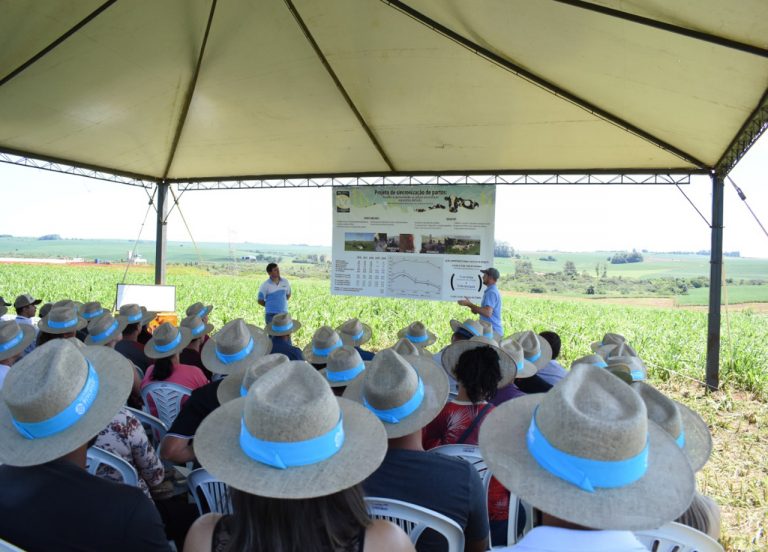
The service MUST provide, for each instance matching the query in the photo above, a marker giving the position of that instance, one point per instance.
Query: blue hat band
(94, 314)
(327, 351)
(533, 358)
(681, 439)
(198, 330)
(472, 330)
(394, 415)
(133, 318)
(18, 338)
(283, 328)
(67, 417)
(106, 333)
(299, 453)
(234, 357)
(637, 375)
(600, 364)
(168, 346)
(60, 324)
(344, 375)
(358, 335)
(202, 312)
(584, 473)
(416, 338)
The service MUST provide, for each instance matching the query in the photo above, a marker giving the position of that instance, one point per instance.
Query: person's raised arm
(476, 309)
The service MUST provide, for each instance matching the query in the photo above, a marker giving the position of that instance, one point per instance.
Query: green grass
(735, 295)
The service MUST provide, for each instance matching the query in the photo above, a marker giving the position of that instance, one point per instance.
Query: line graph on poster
(415, 278)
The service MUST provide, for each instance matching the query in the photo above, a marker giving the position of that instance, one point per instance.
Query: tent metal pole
(715, 283)
(161, 234)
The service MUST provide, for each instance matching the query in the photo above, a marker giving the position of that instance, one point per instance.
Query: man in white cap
(489, 308)
(53, 404)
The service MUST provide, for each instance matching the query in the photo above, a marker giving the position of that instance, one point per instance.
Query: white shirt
(557, 539)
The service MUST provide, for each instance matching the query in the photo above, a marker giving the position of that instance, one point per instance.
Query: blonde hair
(703, 515)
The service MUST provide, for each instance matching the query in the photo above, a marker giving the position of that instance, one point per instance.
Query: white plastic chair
(167, 398)
(415, 519)
(154, 427)
(6, 546)
(97, 456)
(215, 492)
(676, 537)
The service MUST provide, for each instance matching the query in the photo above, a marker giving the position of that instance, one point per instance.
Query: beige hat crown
(62, 319)
(233, 338)
(136, 314)
(418, 334)
(197, 328)
(390, 382)
(283, 324)
(167, 340)
(261, 366)
(536, 349)
(91, 310)
(473, 327)
(636, 367)
(104, 328)
(344, 364)
(14, 338)
(354, 332)
(324, 340)
(404, 347)
(235, 344)
(198, 309)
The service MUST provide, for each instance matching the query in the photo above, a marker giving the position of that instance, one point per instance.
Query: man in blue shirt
(274, 293)
(490, 307)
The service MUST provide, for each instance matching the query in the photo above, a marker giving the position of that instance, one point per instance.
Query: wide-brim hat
(136, 314)
(525, 368)
(451, 355)
(680, 422)
(595, 412)
(282, 324)
(354, 332)
(344, 366)
(227, 351)
(636, 366)
(288, 405)
(14, 338)
(3, 310)
(198, 309)
(608, 339)
(61, 320)
(91, 310)
(536, 349)
(236, 385)
(25, 300)
(418, 334)
(471, 327)
(324, 341)
(383, 377)
(489, 332)
(615, 350)
(3, 302)
(197, 328)
(105, 328)
(46, 378)
(167, 340)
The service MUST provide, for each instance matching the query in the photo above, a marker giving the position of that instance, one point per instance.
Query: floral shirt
(446, 429)
(125, 437)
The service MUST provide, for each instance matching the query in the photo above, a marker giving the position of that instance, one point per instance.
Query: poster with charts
(415, 242)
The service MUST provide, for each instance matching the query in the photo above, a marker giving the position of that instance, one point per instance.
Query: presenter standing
(490, 307)
(274, 293)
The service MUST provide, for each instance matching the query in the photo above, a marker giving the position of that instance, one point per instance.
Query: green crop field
(732, 295)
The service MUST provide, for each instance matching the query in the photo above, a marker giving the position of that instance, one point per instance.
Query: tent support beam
(676, 29)
(748, 134)
(715, 283)
(161, 236)
(542, 82)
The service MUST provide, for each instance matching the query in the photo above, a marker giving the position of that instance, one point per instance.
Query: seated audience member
(62, 322)
(418, 334)
(3, 307)
(14, 338)
(310, 502)
(26, 306)
(480, 367)
(200, 310)
(130, 347)
(165, 346)
(461, 331)
(280, 329)
(553, 371)
(324, 341)
(537, 351)
(228, 351)
(356, 333)
(48, 500)
(406, 393)
(589, 461)
(107, 331)
(344, 366)
(609, 340)
(488, 331)
(199, 331)
(525, 370)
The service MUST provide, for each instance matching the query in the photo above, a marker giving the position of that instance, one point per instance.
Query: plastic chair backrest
(676, 537)
(215, 492)
(97, 456)
(6, 546)
(166, 397)
(415, 519)
(154, 427)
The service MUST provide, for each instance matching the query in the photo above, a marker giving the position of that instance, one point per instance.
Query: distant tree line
(503, 249)
(623, 257)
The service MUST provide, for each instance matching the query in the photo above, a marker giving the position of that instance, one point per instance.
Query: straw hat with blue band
(344, 366)
(105, 328)
(198, 309)
(615, 350)
(355, 333)
(418, 334)
(634, 365)
(404, 393)
(592, 360)
(92, 310)
(324, 341)
(405, 348)
(585, 452)
(61, 320)
(686, 427)
(489, 333)
(536, 349)
(525, 368)
(236, 385)
(470, 328)
(136, 314)
(197, 328)
(282, 324)
(57, 398)
(507, 365)
(14, 338)
(230, 348)
(167, 340)
(290, 437)
(608, 339)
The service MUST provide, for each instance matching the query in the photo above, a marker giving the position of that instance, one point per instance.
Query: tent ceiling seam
(542, 83)
(340, 87)
(42, 53)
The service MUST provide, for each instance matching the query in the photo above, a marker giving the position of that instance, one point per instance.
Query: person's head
(200, 310)
(14, 338)
(554, 342)
(62, 322)
(465, 330)
(478, 373)
(274, 271)
(233, 346)
(26, 305)
(490, 276)
(343, 367)
(105, 330)
(324, 341)
(166, 344)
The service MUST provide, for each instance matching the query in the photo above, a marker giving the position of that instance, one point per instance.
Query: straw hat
(686, 427)
(525, 368)
(418, 334)
(488, 331)
(197, 328)
(470, 326)
(105, 328)
(44, 310)
(323, 342)
(14, 338)
(91, 310)
(3, 302)
(616, 350)
(236, 385)
(54, 385)
(535, 348)
(136, 314)
(344, 366)
(622, 372)
(589, 422)
(406, 349)
(3, 309)
(25, 300)
(61, 320)
(227, 351)
(198, 309)
(592, 360)
(353, 332)
(282, 324)
(608, 339)
(404, 393)
(452, 354)
(635, 365)
(301, 441)
(167, 340)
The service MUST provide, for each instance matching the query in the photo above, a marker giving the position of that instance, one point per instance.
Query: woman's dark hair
(44, 337)
(479, 373)
(163, 369)
(334, 522)
(554, 341)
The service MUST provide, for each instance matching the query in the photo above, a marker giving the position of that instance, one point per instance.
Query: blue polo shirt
(492, 298)
(275, 295)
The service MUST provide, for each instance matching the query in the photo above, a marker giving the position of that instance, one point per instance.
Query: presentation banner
(415, 242)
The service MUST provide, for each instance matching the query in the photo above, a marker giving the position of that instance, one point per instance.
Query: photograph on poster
(401, 243)
(360, 241)
(462, 246)
(432, 244)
